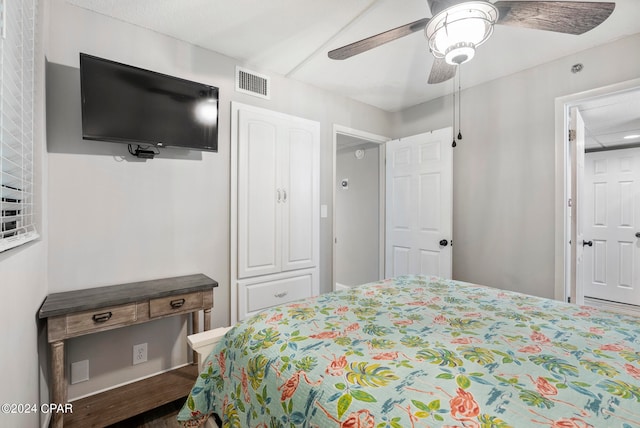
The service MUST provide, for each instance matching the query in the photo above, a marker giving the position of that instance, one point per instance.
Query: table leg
(207, 319)
(58, 380)
(195, 321)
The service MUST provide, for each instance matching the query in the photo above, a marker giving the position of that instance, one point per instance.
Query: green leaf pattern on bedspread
(423, 352)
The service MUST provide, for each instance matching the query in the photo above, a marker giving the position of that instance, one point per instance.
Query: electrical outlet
(139, 353)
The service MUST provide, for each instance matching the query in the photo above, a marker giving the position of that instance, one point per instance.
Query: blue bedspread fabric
(423, 352)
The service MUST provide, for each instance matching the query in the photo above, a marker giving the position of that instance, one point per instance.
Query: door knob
(589, 243)
(444, 242)
(637, 234)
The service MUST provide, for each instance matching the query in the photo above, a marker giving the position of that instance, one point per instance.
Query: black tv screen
(126, 104)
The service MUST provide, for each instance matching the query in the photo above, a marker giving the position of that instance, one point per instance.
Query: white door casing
(339, 130)
(419, 202)
(612, 218)
(562, 259)
(576, 140)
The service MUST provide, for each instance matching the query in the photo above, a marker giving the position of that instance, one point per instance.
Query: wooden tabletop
(98, 297)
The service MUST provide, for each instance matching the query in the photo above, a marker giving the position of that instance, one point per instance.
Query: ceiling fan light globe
(470, 30)
(460, 53)
(467, 24)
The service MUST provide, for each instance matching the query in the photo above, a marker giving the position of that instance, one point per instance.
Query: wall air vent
(252, 83)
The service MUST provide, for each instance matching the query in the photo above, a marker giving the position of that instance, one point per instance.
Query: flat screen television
(126, 104)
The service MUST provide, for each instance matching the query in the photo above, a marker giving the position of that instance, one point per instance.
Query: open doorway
(358, 207)
(598, 205)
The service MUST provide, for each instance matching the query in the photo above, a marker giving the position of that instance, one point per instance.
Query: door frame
(563, 173)
(372, 138)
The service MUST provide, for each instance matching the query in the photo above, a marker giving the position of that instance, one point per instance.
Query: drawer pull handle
(104, 317)
(175, 304)
(280, 295)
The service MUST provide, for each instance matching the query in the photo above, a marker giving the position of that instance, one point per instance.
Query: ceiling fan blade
(560, 16)
(441, 71)
(364, 45)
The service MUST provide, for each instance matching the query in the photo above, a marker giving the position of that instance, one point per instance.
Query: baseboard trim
(608, 305)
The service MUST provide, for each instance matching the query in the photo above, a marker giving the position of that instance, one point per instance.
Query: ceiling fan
(458, 27)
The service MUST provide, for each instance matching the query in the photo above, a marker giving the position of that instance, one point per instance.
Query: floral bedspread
(424, 352)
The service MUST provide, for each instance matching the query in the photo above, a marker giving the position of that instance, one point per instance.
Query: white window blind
(17, 35)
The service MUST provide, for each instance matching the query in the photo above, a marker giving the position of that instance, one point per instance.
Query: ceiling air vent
(252, 83)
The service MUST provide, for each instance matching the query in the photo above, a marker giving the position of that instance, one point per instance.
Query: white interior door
(612, 219)
(576, 140)
(419, 205)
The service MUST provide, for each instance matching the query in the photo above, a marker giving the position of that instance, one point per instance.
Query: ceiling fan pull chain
(459, 102)
(454, 112)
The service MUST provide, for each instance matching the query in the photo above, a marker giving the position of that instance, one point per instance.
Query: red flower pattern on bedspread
(336, 366)
(326, 335)
(359, 419)
(530, 349)
(570, 423)
(544, 387)
(539, 337)
(612, 347)
(463, 406)
(352, 327)
(275, 318)
(440, 319)
(291, 385)
(632, 370)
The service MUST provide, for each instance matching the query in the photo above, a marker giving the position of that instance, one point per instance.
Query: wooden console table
(76, 313)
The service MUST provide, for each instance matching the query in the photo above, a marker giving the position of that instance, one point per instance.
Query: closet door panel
(259, 226)
(300, 209)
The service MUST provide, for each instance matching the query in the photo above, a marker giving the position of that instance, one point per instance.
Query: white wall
(24, 288)
(23, 281)
(357, 217)
(113, 219)
(503, 182)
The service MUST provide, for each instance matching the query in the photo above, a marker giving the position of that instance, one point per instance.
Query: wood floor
(162, 417)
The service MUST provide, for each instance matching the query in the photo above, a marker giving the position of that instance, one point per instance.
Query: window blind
(17, 35)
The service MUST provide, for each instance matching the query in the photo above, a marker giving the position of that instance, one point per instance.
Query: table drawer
(175, 304)
(99, 319)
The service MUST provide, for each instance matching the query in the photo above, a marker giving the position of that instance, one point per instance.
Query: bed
(420, 351)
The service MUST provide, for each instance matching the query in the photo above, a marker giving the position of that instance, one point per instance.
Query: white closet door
(259, 195)
(299, 178)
